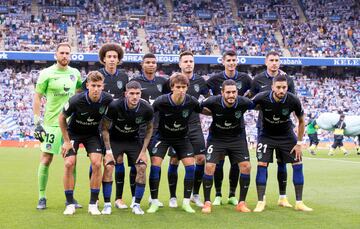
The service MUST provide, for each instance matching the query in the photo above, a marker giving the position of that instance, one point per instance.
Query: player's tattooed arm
(105, 126)
(300, 132)
(148, 134)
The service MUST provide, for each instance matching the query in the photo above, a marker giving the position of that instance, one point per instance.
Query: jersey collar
(89, 100)
(269, 76)
(108, 74)
(233, 106)
(146, 79)
(127, 108)
(172, 103)
(281, 100)
(235, 76)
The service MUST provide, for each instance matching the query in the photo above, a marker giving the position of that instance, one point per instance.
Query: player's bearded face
(230, 94)
(230, 63)
(133, 97)
(95, 89)
(280, 89)
(272, 63)
(63, 55)
(187, 64)
(149, 65)
(111, 59)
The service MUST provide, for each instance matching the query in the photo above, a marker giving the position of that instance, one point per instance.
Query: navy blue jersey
(243, 82)
(173, 122)
(151, 89)
(125, 121)
(276, 119)
(228, 122)
(84, 114)
(263, 81)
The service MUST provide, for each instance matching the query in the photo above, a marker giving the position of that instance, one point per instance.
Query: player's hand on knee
(298, 152)
(39, 133)
(109, 158)
(65, 148)
(142, 159)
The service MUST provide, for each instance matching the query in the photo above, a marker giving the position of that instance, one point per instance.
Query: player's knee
(245, 168)
(96, 165)
(263, 163)
(210, 169)
(174, 161)
(200, 159)
(46, 159)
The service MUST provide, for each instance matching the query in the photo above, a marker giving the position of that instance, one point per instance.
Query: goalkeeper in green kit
(311, 130)
(57, 84)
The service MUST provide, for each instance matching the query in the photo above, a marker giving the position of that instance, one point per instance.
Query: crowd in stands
(317, 94)
(205, 27)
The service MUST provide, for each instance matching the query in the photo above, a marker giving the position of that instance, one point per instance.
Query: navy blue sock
(139, 192)
(244, 186)
(69, 194)
(154, 181)
(90, 171)
(218, 177)
(233, 179)
(119, 179)
(107, 188)
(94, 195)
(261, 177)
(189, 180)
(282, 178)
(132, 178)
(298, 180)
(199, 173)
(207, 185)
(172, 179)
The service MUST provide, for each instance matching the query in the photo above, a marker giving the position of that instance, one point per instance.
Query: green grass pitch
(332, 188)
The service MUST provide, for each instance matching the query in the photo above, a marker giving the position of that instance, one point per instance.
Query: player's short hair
(148, 55)
(110, 47)
(95, 76)
(186, 53)
(280, 78)
(228, 82)
(272, 53)
(63, 44)
(228, 53)
(179, 78)
(133, 85)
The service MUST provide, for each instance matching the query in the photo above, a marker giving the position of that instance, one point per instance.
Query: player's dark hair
(179, 78)
(110, 47)
(273, 53)
(94, 76)
(148, 55)
(228, 82)
(280, 78)
(133, 85)
(229, 53)
(186, 53)
(62, 44)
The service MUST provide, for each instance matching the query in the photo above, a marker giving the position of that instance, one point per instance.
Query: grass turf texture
(332, 187)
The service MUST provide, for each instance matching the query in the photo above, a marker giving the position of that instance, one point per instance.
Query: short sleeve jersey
(57, 85)
(85, 115)
(243, 82)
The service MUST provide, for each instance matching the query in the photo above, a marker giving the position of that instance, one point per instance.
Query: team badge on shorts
(159, 87)
(48, 146)
(185, 113)
(285, 111)
(197, 87)
(237, 114)
(119, 84)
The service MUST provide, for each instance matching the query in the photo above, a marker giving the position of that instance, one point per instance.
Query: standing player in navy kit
(85, 110)
(227, 135)
(174, 113)
(124, 117)
(277, 134)
(243, 83)
(152, 87)
(110, 56)
(262, 82)
(197, 87)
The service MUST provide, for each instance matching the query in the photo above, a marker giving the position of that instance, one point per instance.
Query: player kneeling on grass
(120, 131)
(85, 111)
(227, 136)
(277, 135)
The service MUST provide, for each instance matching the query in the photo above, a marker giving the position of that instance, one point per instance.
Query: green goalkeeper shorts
(53, 140)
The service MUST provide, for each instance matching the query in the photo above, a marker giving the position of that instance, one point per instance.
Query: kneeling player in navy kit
(174, 110)
(227, 136)
(277, 134)
(85, 111)
(124, 117)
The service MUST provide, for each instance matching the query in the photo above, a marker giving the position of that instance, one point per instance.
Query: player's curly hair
(110, 47)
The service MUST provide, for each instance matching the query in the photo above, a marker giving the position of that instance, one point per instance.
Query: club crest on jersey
(119, 84)
(72, 77)
(197, 88)
(185, 113)
(138, 120)
(237, 114)
(285, 111)
(102, 110)
(159, 87)
(238, 85)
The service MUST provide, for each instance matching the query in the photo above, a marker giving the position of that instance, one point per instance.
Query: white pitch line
(335, 160)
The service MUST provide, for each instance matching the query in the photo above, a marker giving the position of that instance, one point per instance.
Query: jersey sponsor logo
(185, 113)
(285, 111)
(227, 123)
(119, 84)
(276, 118)
(89, 119)
(159, 87)
(127, 128)
(197, 88)
(237, 114)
